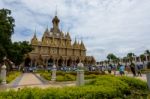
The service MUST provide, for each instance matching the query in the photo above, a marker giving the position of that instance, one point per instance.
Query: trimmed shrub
(68, 76)
(60, 78)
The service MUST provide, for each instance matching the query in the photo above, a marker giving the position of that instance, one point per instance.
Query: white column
(80, 75)
(54, 73)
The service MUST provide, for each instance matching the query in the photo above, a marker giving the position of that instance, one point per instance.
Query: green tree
(6, 30)
(13, 51)
(112, 57)
(18, 50)
(130, 56)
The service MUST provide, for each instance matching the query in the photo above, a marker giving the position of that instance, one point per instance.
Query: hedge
(68, 76)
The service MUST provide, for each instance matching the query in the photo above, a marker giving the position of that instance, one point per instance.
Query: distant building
(56, 47)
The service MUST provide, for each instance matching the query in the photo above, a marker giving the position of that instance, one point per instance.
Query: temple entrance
(77, 61)
(50, 62)
(27, 62)
(33, 63)
(69, 62)
(85, 62)
(60, 62)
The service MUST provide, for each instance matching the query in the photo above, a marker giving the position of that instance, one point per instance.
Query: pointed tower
(62, 34)
(68, 36)
(75, 44)
(82, 45)
(55, 22)
(44, 40)
(34, 40)
(46, 33)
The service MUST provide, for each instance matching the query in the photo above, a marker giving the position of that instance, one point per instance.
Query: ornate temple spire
(75, 45)
(68, 36)
(82, 45)
(62, 34)
(78, 44)
(34, 40)
(46, 33)
(34, 34)
(55, 22)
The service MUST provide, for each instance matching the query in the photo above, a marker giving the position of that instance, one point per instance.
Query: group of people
(135, 69)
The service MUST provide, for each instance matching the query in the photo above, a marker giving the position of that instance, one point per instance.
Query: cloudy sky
(106, 26)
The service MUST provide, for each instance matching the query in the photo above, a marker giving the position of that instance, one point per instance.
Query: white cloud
(106, 26)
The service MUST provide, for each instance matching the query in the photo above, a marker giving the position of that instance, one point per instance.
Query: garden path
(29, 79)
(34, 80)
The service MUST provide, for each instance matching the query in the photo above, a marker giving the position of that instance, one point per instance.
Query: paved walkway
(34, 80)
(29, 79)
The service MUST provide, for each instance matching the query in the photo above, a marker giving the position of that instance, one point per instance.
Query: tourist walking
(132, 66)
(109, 69)
(121, 70)
(139, 70)
(127, 68)
(114, 69)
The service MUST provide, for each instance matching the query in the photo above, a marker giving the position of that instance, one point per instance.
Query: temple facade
(56, 48)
